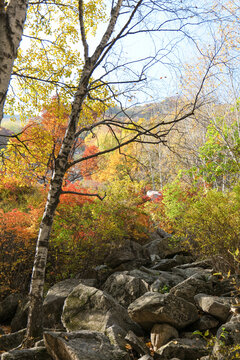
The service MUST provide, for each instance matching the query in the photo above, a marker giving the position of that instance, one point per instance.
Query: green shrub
(211, 225)
(83, 232)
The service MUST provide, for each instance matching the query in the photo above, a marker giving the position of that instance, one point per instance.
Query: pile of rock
(154, 293)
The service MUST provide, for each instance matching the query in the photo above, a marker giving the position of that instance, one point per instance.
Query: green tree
(220, 164)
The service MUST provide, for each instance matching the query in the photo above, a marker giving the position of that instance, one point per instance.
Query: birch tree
(12, 19)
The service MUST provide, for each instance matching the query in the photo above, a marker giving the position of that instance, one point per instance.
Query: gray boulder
(125, 288)
(152, 308)
(87, 308)
(82, 345)
(54, 300)
(38, 353)
(145, 274)
(165, 281)
(165, 264)
(206, 322)
(128, 253)
(161, 334)
(8, 307)
(137, 344)
(191, 271)
(116, 336)
(213, 306)
(11, 341)
(20, 318)
(188, 288)
(163, 247)
(168, 264)
(183, 349)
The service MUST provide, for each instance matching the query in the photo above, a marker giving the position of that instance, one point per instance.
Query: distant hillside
(146, 111)
(10, 123)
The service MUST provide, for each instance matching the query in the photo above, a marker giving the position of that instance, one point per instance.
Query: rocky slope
(157, 295)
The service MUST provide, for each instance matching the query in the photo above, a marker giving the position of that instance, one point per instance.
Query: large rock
(82, 345)
(191, 271)
(165, 264)
(161, 334)
(8, 307)
(128, 253)
(11, 341)
(212, 305)
(116, 336)
(165, 281)
(137, 344)
(53, 302)
(163, 247)
(38, 353)
(145, 274)
(87, 308)
(190, 287)
(206, 322)
(152, 308)
(168, 264)
(183, 349)
(125, 288)
(20, 318)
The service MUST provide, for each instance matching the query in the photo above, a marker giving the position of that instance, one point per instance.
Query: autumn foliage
(18, 232)
(90, 166)
(86, 227)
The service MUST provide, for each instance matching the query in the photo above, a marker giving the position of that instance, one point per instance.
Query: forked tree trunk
(35, 316)
(12, 19)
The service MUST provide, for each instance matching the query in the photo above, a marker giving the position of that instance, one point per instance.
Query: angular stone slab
(183, 349)
(11, 341)
(125, 288)
(161, 334)
(191, 287)
(38, 353)
(152, 308)
(129, 252)
(82, 345)
(88, 308)
(53, 302)
(8, 307)
(213, 306)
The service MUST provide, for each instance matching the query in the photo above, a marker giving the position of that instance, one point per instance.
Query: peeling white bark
(35, 326)
(12, 19)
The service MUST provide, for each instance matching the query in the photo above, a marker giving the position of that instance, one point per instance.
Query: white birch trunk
(35, 317)
(12, 19)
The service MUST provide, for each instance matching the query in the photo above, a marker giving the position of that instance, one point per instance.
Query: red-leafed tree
(89, 166)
